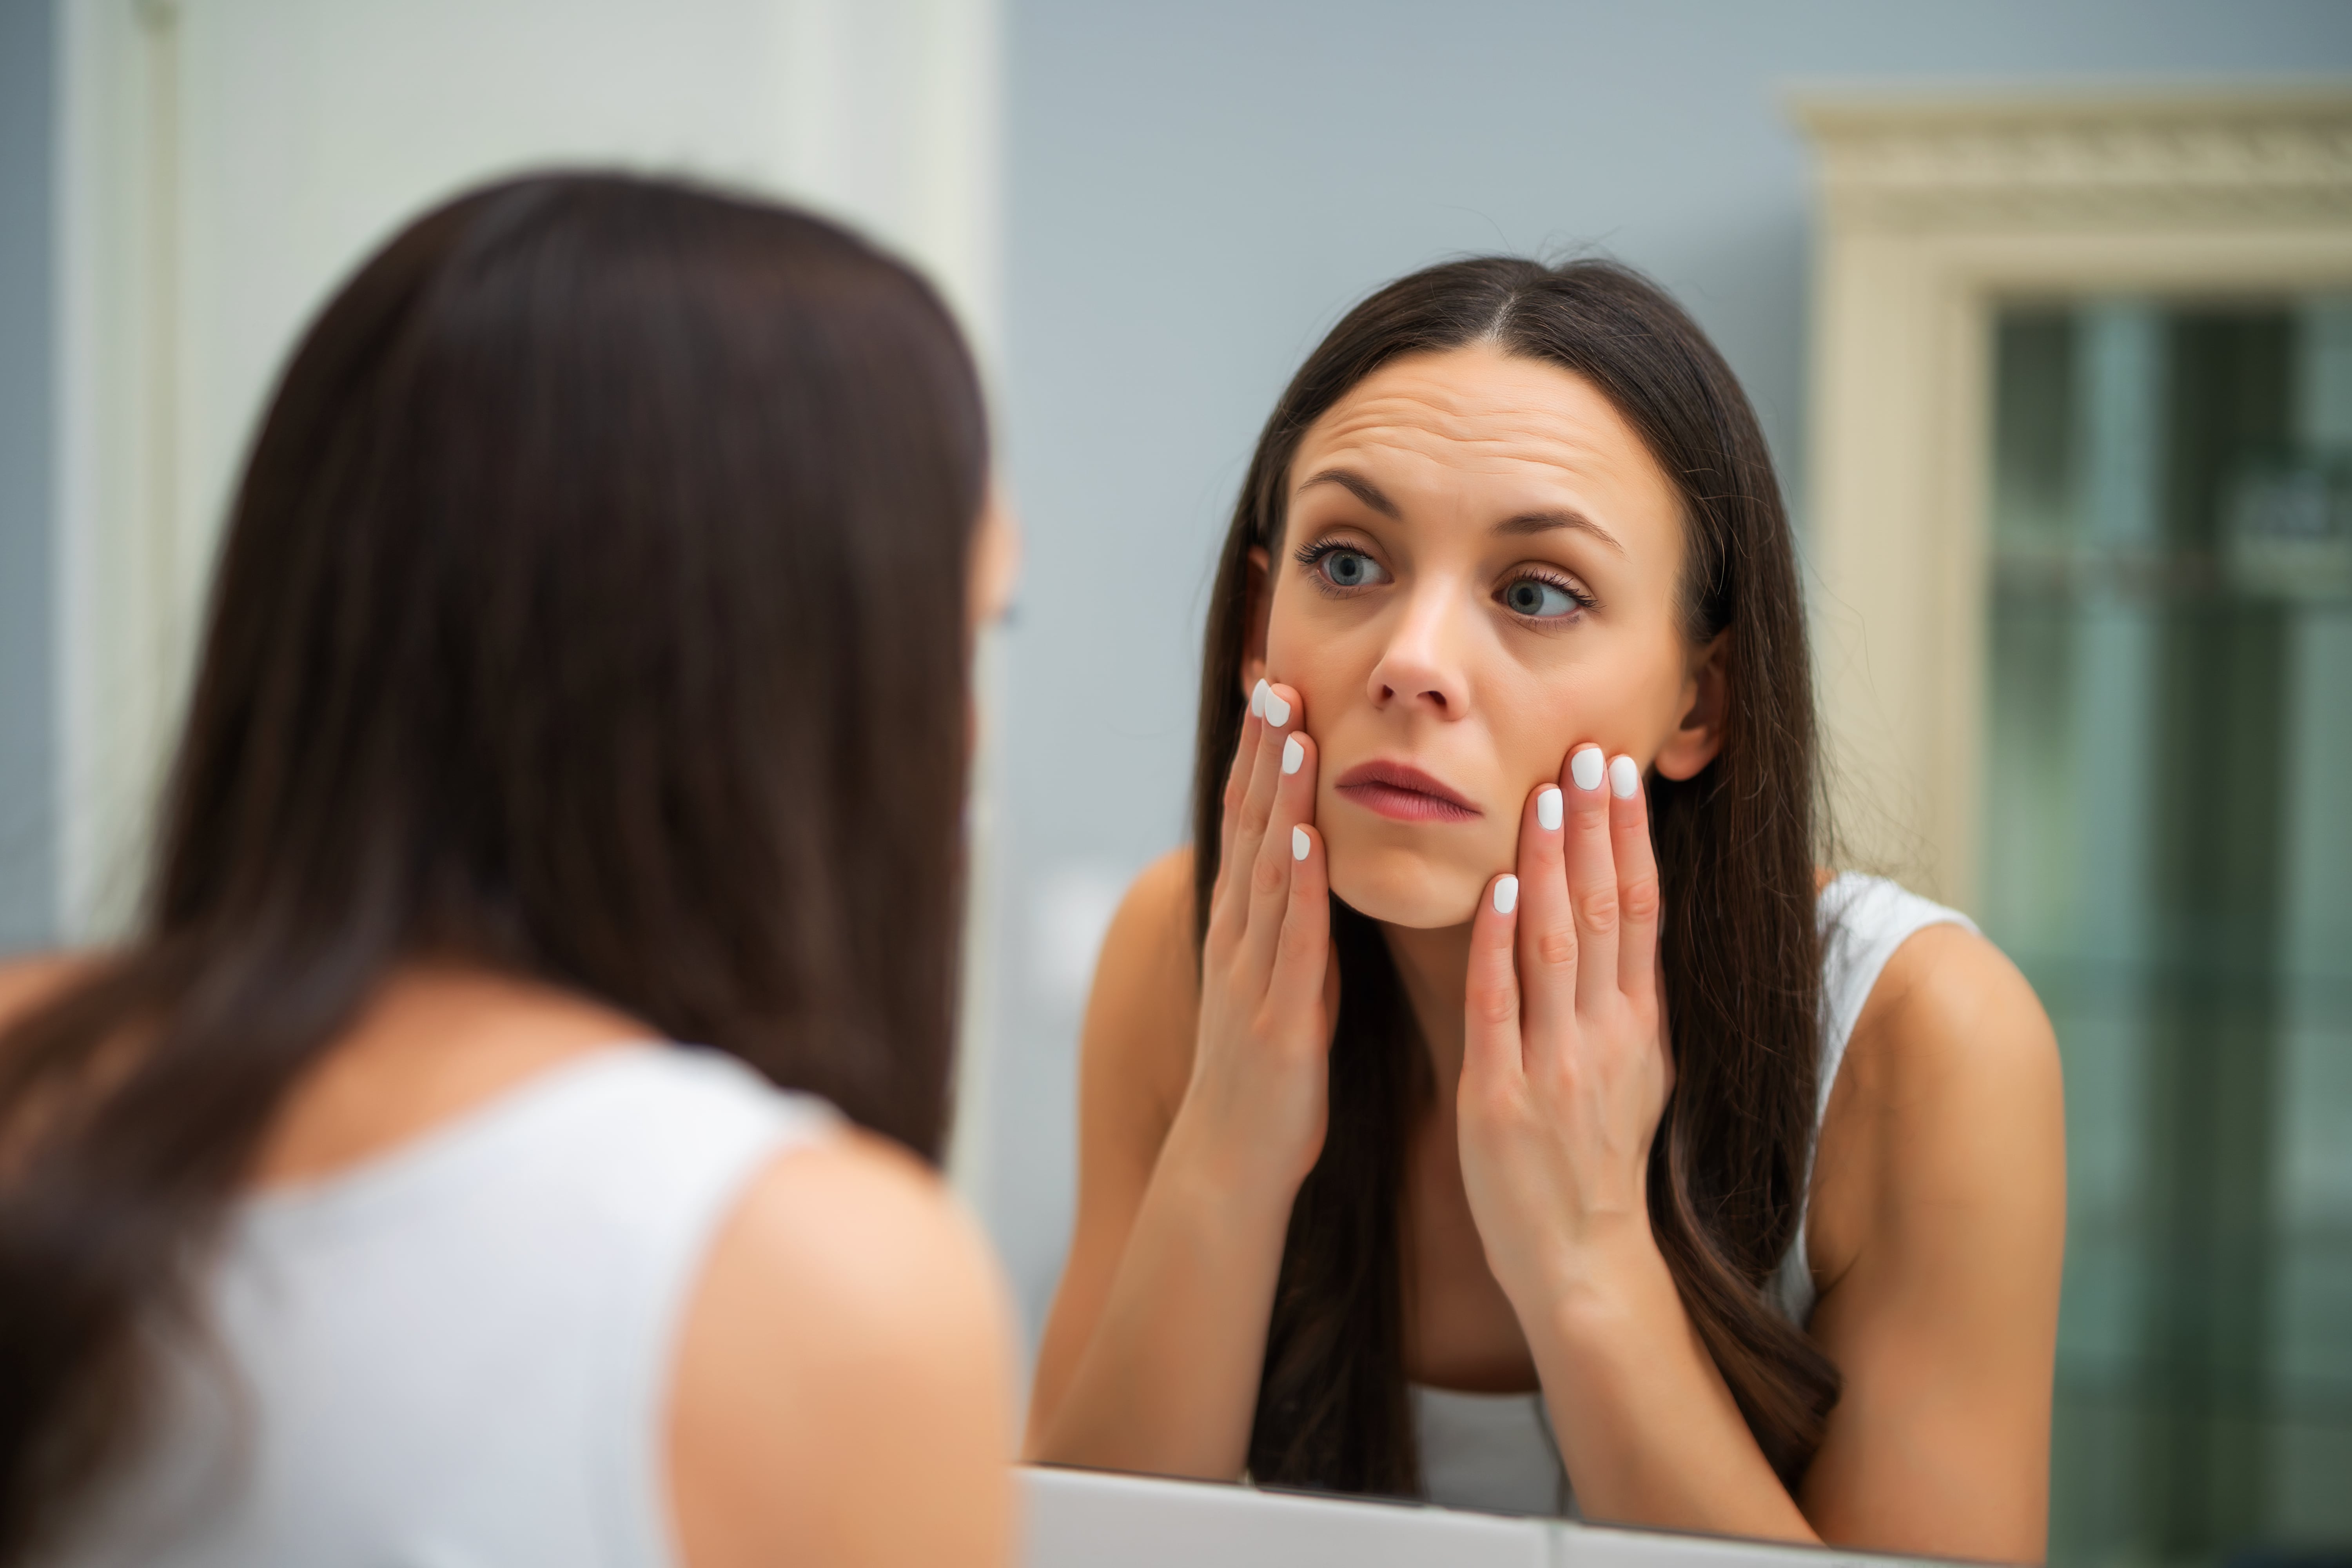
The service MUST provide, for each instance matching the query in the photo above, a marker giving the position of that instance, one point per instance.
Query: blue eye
(1345, 568)
(1540, 600)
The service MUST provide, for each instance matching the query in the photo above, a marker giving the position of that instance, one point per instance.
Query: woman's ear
(1699, 736)
(1257, 604)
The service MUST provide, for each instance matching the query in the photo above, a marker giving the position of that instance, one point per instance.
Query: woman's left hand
(1566, 1069)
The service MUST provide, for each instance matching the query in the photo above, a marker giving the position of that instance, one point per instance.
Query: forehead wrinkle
(1560, 455)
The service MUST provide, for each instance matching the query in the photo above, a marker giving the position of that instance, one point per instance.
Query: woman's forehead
(1477, 413)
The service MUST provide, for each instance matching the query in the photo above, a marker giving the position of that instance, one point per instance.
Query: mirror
(2115, 651)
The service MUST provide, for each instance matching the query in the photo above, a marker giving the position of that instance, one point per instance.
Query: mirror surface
(2168, 620)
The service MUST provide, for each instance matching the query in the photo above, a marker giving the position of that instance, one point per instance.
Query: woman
(1449, 1111)
(360, 1208)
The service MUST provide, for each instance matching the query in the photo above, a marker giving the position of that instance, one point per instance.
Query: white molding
(121, 581)
(1931, 211)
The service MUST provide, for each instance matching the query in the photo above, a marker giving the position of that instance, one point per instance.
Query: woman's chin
(1405, 890)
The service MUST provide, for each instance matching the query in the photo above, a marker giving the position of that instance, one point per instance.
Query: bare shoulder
(849, 1330)
(1949, 1013)
(1142, 1014)
(28, 982)
(1950, 1094)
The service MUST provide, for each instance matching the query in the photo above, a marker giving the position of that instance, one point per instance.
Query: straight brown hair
(1737, 848)
(593, 608)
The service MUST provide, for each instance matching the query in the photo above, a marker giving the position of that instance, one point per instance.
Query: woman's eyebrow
(1544, 521)
(1356, 485)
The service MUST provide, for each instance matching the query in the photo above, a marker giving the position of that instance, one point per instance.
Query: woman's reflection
(1585, 1144)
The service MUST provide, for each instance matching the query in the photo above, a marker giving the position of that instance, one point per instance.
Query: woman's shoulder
(1949, 1085)
(1940, 997)
(849, 1328)
(1141, 1014)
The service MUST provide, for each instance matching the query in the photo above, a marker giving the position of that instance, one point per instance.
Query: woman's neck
(1435, 968)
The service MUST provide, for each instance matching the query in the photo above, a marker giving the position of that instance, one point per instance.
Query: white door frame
(1931, 212)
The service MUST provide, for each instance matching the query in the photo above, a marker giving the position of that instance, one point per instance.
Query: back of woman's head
(593, 609)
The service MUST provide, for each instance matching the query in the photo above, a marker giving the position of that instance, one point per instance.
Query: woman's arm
(1938, 1231)
(1944, 1319)
(1153, 1351)
(844, 1386)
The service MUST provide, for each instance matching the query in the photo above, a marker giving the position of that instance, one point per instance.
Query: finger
(1237, 777)
(1302, 955)
(1491, 1062)
(1294, 804)
(1592, 878)
(1547, 929)
(1638, 901)
(1249, 821)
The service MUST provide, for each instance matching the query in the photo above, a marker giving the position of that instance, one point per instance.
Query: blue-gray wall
(1198, 190)
(28, 290)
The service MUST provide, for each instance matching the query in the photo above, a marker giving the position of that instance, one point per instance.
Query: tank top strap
(700, 1125)
(1864, 919)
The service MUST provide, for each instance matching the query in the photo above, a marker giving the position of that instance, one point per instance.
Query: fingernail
(1277, 711)
(1257, 700)
(1548, 808)
(1506, 894)
(1293, 755)
(1585, 767)
(1299, 843)
(1624, 778)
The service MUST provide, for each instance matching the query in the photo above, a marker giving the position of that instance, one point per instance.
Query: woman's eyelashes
(1339, 567)
(1537, 597)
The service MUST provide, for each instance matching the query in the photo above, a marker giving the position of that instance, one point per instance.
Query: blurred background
(2047, 308)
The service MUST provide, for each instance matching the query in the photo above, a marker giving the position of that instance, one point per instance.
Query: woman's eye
(1351, 569)
(1540, 600)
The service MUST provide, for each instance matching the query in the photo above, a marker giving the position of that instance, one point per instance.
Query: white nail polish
(1506, 894)
(1277, 711)
(1548, 808)
(1257, 700)
(1585, 768)
(1299, 843)
(1293, 755)
(1624, 778)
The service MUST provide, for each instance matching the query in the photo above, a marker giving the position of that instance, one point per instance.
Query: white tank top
(459, 1353)
(1496, 1451)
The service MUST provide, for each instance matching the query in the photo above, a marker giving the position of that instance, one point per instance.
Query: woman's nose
(1421, 663)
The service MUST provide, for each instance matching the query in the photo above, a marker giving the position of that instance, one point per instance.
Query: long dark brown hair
(593, 608)
(1737, 850)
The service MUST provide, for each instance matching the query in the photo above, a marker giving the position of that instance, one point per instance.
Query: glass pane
(2169, 858)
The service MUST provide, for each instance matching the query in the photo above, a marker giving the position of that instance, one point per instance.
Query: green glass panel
(2168, 857)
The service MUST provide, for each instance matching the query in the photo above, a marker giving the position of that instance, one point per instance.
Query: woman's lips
(1402, 793)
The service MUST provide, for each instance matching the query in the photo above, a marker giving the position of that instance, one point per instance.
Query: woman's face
(1479, 572)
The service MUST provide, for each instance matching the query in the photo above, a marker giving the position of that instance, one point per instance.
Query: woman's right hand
(1257, 1101)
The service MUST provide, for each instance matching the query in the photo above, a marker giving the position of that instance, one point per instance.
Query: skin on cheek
(1430, 876)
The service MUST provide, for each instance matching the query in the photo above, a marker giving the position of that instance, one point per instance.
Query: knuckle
(1268, 875)
(1640, 898)
(1494, 1006)
(1556, 948)
(1597, 910)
